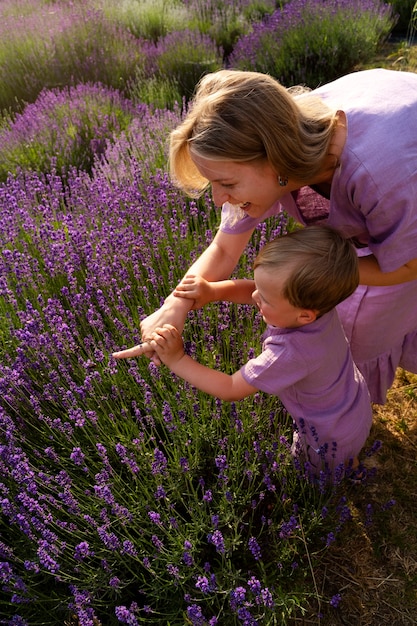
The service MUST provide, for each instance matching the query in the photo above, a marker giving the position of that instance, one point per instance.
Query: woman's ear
(306, 316)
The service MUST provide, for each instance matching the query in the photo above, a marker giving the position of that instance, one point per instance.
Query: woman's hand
(174, 310)
(139, 350)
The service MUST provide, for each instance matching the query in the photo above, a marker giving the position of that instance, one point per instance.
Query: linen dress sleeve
(380, 209)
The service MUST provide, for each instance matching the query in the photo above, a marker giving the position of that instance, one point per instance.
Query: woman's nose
(220, 196)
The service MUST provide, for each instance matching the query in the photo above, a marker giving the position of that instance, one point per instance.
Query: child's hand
(196, 288)
(168, 344)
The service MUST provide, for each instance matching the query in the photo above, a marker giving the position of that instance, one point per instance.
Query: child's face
(275, 309)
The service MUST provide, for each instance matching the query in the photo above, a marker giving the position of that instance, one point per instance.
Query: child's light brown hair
(324, 267)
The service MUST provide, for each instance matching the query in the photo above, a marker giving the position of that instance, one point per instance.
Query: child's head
(319, 266)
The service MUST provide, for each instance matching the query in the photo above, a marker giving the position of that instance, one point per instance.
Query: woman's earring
(283, 180)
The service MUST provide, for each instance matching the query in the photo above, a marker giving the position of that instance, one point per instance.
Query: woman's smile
(252, 186)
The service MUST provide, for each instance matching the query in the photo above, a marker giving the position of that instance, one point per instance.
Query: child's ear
(306, 316)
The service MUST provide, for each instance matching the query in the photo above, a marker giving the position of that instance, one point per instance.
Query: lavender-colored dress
(311, 370)
(373, 200)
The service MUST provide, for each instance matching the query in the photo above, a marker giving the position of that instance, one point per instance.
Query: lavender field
(126, 496)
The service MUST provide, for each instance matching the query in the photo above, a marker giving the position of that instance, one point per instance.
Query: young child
(305, 359)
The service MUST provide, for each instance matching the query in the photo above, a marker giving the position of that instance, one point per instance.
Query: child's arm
(202, 291)
(168, 345)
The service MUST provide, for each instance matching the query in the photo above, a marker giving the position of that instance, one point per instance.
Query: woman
(344, 154)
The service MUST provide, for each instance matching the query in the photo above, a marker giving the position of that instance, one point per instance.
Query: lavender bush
(311, 41)
(226, 21)
(185, 56)
(54, 44)
(64, 128)
(148, 19)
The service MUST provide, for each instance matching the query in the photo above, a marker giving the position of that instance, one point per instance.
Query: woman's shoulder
(378, 89)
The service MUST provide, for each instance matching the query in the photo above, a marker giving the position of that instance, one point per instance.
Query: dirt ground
(374, 565)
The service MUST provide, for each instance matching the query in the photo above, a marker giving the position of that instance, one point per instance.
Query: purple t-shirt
(311, 370)
(374, 190)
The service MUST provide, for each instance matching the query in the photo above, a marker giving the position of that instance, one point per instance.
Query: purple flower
(255, 548)
(215, 520)
(195, 615)
(217, 540)
(129, 548)
(77, 456)
(254, 585)
(203, 584)
(82, 551)
(221, 462)
(187, 558)
(288, 528)
(184, 464)
(160, 462)
(125, 616)
(160, 493)
(208, 496)
(330, 538)
(267, 598)
(335, 600)
(155, 518)
(173, 570)
(157, 543)
(108, 538)
(237, 598)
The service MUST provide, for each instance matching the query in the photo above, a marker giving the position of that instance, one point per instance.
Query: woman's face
(252, 186)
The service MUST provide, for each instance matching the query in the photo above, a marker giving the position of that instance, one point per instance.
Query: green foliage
(184, 57)
(147, 19)
(403, 9)
(328, 47)
(55, 45)
(322, 43)
(63, 129)
(158, 91)
(412, 26)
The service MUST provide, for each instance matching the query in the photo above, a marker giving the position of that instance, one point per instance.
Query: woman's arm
(217, 262)
(168, 344)
(371, 274)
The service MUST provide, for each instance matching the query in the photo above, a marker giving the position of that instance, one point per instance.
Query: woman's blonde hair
(246, 116)
(323, 266)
